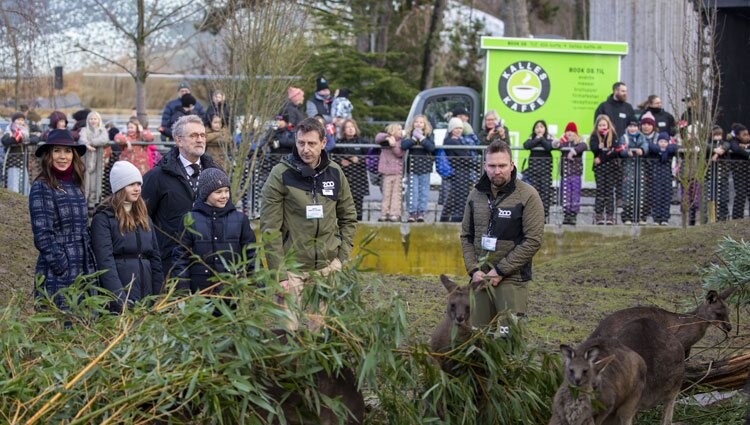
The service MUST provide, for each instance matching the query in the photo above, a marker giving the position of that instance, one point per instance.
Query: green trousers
(508, 296)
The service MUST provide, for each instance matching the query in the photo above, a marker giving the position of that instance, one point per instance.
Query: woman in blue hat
(59, 215)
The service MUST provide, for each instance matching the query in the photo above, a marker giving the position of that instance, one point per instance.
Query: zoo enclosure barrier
(642, 190)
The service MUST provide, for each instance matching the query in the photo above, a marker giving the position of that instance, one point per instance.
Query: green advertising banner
(553, 80)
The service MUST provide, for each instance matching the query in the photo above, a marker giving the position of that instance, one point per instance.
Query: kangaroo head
(580, 368)
(715, 310)
(459, 305)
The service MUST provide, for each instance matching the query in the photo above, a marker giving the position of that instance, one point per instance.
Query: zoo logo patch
(524, 86)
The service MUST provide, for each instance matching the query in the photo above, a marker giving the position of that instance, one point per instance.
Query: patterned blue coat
(59, 222)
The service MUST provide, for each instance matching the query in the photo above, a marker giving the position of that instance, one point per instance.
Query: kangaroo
(606, 371)
(665, 363)
(689, 328)
(457, 317)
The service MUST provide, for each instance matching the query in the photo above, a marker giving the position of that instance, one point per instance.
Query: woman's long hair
(611, 134)
(129, 221)
(48, 175)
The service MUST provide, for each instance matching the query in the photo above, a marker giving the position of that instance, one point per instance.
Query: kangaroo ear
(591, 354)
(712, 296)
(567, 352)
(447, 283)
(727, 292)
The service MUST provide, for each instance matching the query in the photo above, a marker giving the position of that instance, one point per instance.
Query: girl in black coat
(220, 235)
(124, 240)
(352, 161)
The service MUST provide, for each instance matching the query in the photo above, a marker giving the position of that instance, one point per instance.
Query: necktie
(193, 179)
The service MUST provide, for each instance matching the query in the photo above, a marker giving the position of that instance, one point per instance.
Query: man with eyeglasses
(170, 188)
(307, 208)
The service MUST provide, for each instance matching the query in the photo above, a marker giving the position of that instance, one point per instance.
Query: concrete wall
(653, 30)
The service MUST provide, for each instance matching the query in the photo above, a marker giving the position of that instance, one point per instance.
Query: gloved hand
(417, 135)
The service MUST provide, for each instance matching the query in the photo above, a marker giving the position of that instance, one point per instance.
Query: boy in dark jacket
(739, 153)
(662, 154)
(220, 235)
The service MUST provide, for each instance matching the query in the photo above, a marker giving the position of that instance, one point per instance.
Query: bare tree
(431, 45)
(19, 29)
(697, 80)
(263, 47)
(144, 24)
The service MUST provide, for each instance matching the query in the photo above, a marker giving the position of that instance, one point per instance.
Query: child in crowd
(648, 131)
(220, 235)
(717, 180)
(662, 153)
(218, 141)
(605, 146)
(634, 146)
(420, 143)
(137, 155)
(124, 240)
(94, 136)
(330, 133)
(539, 170)
(341, 107)
(572, 170)
(739, 146)
(390, 167)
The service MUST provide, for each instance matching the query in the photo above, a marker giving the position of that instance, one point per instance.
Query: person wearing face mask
(59, 216)
(664, 120)
(124, 241)
(320, 104)
(606, 147)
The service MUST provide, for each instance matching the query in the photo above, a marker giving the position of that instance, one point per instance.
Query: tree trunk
(433, 35)
(521, 13)
(13, 42)
(141, 73)
(384, 23)
(505, 11)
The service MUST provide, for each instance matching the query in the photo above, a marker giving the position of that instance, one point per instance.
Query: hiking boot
(412, 218)
(599, 219)
(420, 218)
(610, 220)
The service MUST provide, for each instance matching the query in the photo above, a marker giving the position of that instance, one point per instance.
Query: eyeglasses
(196, 136)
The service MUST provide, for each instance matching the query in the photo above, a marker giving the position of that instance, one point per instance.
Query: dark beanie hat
(187, 99)
(17, 115)
(81, 115)
(211, 179)
(664, 136)
(321, 84)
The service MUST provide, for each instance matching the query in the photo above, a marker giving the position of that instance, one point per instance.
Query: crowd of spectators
(633, 150)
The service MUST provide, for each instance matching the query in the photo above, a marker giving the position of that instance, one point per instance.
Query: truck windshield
(438, 109)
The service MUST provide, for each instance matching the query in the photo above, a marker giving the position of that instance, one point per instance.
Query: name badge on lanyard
(314, 211)
(489, 243)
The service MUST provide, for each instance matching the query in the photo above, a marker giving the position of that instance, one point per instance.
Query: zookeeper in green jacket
(504, 221)
(306, 199)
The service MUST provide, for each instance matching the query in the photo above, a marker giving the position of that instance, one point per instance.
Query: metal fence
(637, 191)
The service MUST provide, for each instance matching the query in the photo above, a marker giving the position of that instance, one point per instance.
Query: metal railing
(637, 190)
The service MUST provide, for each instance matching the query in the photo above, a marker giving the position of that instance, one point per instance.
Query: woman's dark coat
(59, 221)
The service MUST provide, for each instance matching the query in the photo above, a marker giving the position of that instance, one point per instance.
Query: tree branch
(100, 56)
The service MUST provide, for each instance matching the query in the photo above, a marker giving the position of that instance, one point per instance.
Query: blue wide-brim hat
(60, 138)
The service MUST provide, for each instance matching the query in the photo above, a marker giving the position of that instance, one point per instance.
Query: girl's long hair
(427, 126)
(611, 134)
(129, 221)
(47, 175)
